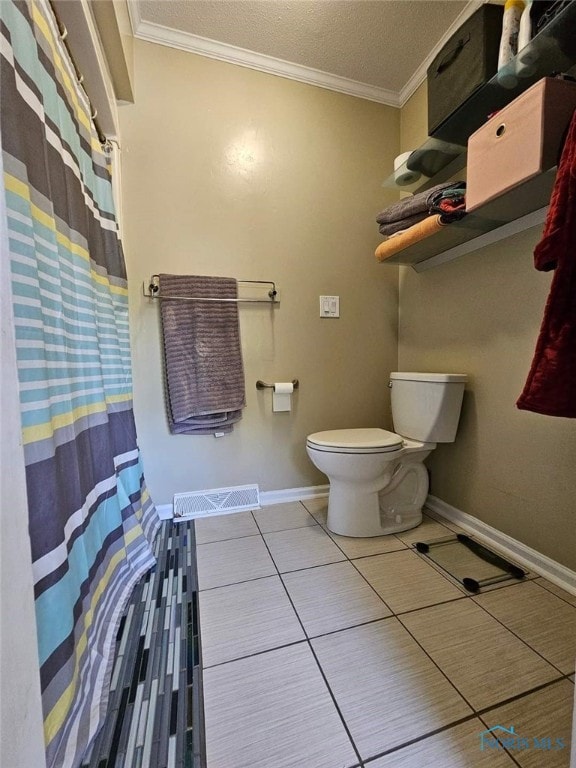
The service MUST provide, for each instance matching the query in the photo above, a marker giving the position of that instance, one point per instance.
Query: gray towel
(202, 354)
(409, 207)
(398, 226)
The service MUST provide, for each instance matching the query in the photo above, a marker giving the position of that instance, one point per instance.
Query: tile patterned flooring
(154, 717)
(322, 651)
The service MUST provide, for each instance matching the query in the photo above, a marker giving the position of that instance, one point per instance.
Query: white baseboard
(293, 494)
(267, 498)
(516, 550)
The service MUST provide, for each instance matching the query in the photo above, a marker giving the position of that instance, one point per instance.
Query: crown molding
(203, 46)
(134, 15)
(420, 75)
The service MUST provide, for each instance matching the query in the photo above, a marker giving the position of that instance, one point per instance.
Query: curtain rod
(62, 29)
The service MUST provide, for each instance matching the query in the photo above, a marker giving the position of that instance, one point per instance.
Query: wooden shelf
(519, 209)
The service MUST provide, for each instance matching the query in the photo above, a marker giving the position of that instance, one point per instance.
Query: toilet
(378, 481)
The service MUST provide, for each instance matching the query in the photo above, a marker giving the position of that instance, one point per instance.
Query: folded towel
(399, 226)
(410, 206)
(414, 234)
(419, 204)
(202, 354)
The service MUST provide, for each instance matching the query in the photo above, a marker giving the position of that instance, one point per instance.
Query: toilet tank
(426, 406)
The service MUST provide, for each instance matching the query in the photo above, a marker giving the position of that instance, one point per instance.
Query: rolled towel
(414, 234)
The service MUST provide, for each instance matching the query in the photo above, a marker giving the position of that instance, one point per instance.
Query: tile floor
(154, 716)
(321, 651)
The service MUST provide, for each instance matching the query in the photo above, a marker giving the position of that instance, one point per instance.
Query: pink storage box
(520, 141)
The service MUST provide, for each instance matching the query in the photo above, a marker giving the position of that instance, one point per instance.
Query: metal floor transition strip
(155, 714)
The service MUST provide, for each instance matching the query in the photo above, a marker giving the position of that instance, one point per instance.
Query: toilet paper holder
(262, 385)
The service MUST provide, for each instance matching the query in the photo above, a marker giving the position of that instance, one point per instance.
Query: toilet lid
(355, 441)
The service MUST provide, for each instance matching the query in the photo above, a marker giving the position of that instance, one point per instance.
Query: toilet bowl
(378, 482)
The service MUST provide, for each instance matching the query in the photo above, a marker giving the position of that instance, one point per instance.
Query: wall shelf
(519, 209)
(551, 50)
(525, 206)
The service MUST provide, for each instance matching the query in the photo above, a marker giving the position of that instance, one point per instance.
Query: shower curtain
(91, 519)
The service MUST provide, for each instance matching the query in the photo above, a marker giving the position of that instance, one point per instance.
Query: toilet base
(352, 511)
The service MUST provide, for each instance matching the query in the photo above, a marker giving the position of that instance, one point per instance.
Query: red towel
(551, 385)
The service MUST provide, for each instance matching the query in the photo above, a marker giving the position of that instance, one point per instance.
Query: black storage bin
(467, 61)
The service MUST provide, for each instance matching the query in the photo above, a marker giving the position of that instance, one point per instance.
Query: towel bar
(263, 385)
(152, 291)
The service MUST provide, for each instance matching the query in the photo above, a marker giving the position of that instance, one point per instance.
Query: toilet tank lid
(441, 377)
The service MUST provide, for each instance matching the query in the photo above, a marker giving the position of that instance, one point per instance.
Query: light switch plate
(329, 306)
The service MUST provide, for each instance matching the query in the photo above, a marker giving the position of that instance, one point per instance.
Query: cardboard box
(520, 141)
(465, 63)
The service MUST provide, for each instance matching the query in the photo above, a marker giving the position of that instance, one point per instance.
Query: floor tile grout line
(526, 643)
(259, 530)
(482, 713)
(411, 610)
(434, 662)
(518, 696)
(510, 755)
(404, 544)
(234, 583)
(255, 654)
(252, 511)
(336, 706)
(475, 713)
(347, 559)
(432, 605)
(230, 538)
(308, 636)
(308, 640)
(331, 534)
(551, 592)
(352, 563)
(423, 737)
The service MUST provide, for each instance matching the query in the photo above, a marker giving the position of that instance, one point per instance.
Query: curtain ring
(64, 32)
(94, 114)
(80, 79)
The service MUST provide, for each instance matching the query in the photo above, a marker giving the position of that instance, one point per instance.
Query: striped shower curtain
(91, 520)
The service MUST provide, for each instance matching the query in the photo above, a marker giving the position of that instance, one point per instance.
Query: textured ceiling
(378, 42)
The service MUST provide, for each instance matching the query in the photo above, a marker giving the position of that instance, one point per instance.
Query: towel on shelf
(449, 199)
(414, 234)
(202, 354)
(399, 226)
(550, 388)
(415, 204)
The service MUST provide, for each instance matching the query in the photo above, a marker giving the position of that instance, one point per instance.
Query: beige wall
(228, 171)
(481, 315)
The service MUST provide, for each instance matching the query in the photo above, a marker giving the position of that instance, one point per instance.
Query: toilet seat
(369, 440)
